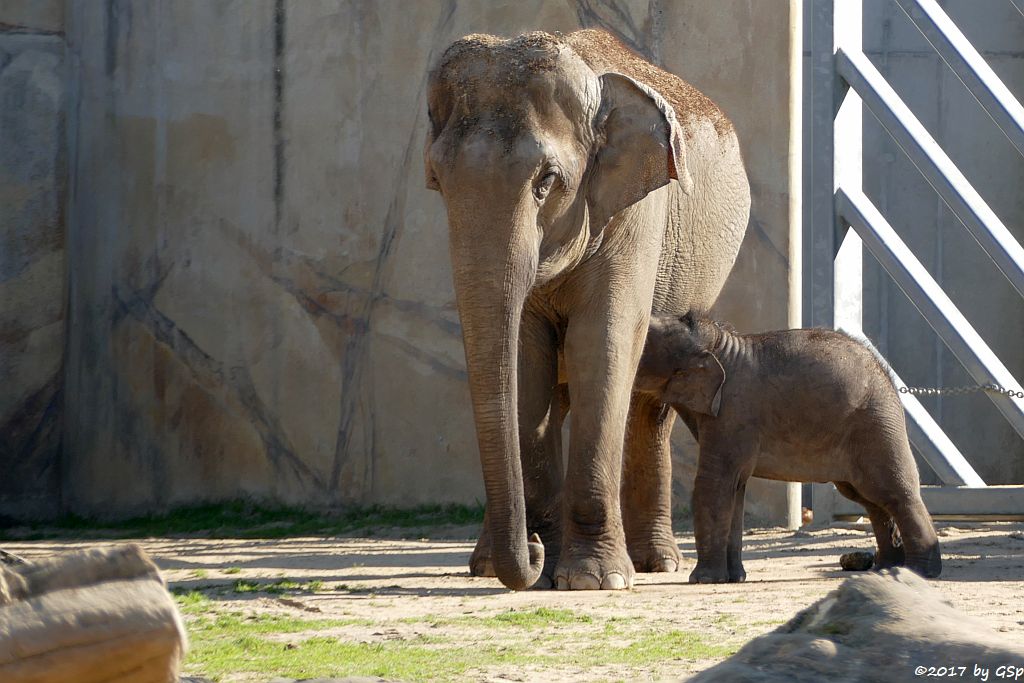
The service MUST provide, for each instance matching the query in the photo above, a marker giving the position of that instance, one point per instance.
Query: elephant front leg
(715, 492)
(647, 487)
(602, 350)
(734, 554)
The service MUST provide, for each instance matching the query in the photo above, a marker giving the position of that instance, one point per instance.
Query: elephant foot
(737, 575)
(582, 568)
(652, 545)
(706, 574)
(480, 563)
(547, 577)
(890, 557)
(930, 566)
(656, 558)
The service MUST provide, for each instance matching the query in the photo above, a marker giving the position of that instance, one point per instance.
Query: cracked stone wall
(32, 255)
(259, 291)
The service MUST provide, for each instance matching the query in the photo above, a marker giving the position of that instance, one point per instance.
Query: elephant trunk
(491, 283)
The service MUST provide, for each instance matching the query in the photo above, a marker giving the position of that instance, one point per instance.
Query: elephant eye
(541, 189)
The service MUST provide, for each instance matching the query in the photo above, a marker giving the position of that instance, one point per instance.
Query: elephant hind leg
(646, 497)
(480, 563)
(914, 526)
(889, 551)
(920, 542)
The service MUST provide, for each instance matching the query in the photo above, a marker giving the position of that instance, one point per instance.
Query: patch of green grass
(192, 601)
(276, 587)
(199, 574)
(233, 644)
(540, 617)
(232, 570)
(535, 618)
(653, 647)
(243, 519)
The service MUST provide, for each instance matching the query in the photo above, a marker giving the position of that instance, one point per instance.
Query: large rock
(889, 626)
(91, 616)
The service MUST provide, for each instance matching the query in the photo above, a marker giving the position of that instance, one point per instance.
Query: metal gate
(844, 222)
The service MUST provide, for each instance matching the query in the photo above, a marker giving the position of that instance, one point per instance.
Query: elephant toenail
(665, 564)
(563, 583)
(585, 582)
(613, 582)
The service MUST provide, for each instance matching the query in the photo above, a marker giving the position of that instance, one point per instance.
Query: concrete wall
(933, 232)
(32, 254)
(260, 296)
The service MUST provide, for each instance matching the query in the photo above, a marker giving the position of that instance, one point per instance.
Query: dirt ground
(392, 589)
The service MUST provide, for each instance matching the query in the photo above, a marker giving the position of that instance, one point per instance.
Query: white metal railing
(843, 80)
(926, 294)
(937, 168)
(969, 67)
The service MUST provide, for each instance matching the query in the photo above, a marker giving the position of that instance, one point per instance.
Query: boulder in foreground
(878, 627)
(89, 616)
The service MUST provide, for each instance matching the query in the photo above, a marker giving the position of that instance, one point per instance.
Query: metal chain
(959, 391)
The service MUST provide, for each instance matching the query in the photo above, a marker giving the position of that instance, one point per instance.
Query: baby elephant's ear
(698, 386)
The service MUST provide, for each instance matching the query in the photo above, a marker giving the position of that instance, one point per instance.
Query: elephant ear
(438, 110)
(641, 148)
(698, 386)
(431, 179)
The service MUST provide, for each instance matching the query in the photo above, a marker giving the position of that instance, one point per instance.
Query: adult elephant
(555, 156)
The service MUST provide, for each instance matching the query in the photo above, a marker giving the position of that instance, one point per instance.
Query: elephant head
(679, 363)
(533, 151)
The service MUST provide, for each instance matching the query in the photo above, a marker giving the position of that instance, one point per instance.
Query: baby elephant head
(678, 363)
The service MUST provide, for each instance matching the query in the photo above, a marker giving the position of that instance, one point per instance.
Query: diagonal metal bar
(931, 442)
(969, 66)
(926, 294)
(937, 168)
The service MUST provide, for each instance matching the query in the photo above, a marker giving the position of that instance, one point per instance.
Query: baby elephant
(796, 405)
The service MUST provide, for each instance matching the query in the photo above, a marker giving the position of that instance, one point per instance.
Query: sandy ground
(388, 579)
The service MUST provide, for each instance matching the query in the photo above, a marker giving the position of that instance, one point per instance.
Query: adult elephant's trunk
(491, 283)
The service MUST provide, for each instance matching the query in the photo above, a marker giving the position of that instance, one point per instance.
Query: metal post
(820, 241)
(848, 163)
(835, 253)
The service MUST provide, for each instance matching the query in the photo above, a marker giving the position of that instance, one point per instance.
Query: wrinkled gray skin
(579, 197)
(796, 405)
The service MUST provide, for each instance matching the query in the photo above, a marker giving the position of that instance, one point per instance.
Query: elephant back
(605, 53)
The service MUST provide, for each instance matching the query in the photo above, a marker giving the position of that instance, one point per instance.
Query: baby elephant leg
(907, 510)
(734, 554)
(717, 499)
(889, 553)
(920, 543)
